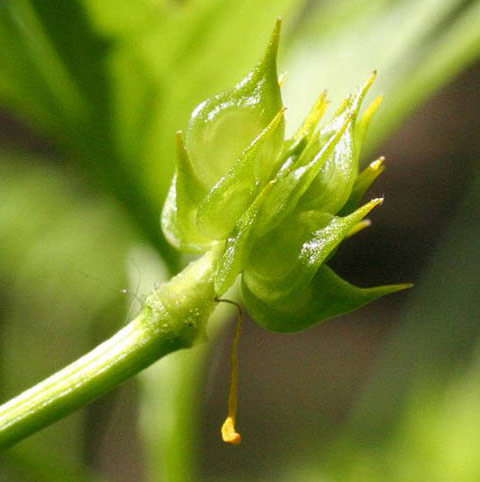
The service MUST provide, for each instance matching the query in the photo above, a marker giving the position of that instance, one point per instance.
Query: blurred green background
(91, 94)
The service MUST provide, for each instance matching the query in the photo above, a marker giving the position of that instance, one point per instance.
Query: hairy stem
(173, 317)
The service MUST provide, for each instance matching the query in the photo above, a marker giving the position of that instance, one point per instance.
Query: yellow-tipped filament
(229, 433)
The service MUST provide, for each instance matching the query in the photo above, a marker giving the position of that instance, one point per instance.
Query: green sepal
(362, 184)
(293, 182)
(222, 127)
(180, 209)
(327, 296)
(238, 245)
(235, 191)
(331, 189)
(286, 259)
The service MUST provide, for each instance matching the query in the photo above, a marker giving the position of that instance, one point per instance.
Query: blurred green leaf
(46, 466)
(63, 253)
(417, 47)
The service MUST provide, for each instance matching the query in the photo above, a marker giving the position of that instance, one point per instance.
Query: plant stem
(173, 317)
(170, 407)
(170, 416)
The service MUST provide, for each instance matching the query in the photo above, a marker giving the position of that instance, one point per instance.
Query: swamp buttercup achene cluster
(275, 209)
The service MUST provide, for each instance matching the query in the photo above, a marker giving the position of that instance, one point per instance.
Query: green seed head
(280, 207)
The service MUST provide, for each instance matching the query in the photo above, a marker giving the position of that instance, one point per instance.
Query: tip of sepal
(221, 127)
(362, 183)
(182, 154)
(376, 202)
(185, 172)
(327, 296)
(362, 211)
(361, 93)
(399, 287)
(378, 164)
(275, 35)
(181, 205)
(270, 56)
(368, 83)
(278, 26)
(179, 141)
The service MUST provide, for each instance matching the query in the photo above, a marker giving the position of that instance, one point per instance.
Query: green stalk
(173, 317)
(170, 406)
(170, 416)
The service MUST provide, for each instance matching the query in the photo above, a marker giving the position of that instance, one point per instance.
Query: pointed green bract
(235, 191)
(331, 188)
(283, 262)
(180, 208)
(238, 245)
(222, 127)
(274, 261)
(327, 296)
